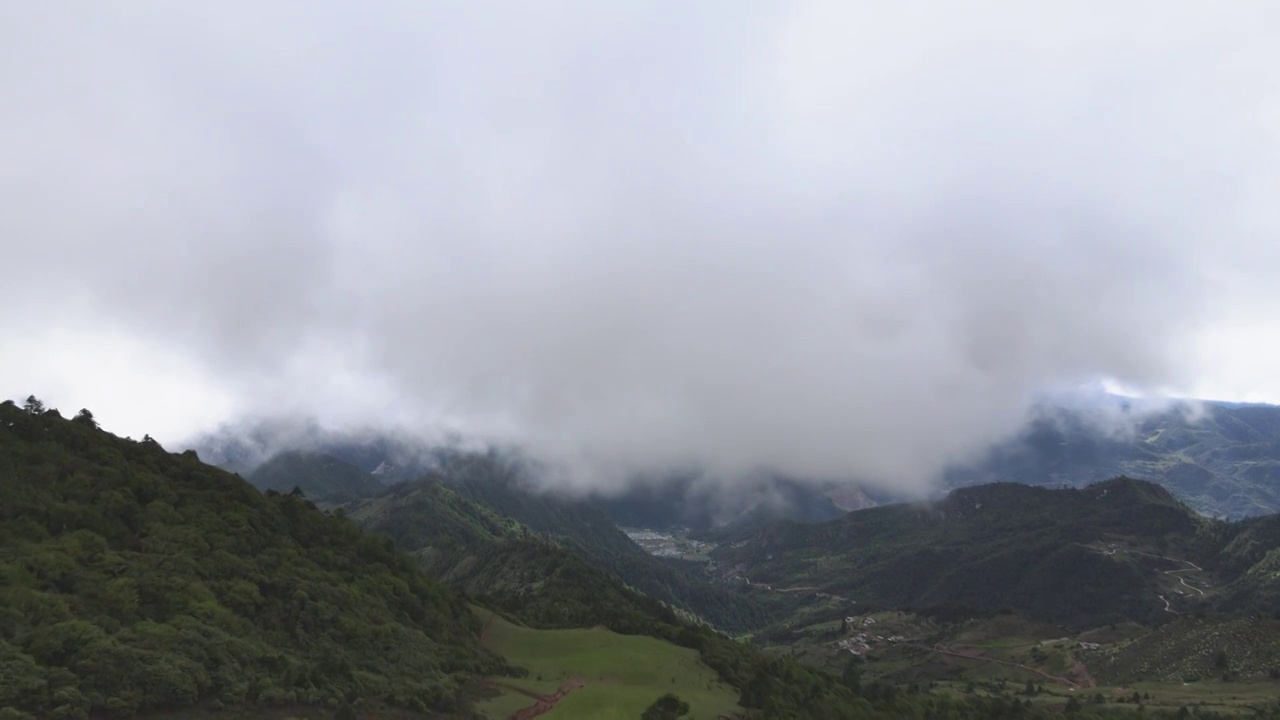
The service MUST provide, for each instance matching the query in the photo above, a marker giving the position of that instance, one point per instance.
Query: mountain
(1112, 551)
(390, 456)
(688, 500)
(137, 581)
(1077, 557)
(319, 476)
(140, 583)
(535, 581)
(1222, 459)
(498, 484)
(479, 498)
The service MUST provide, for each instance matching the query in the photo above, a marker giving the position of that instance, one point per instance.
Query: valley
(462, 591)
(640, 361)
(674, 543)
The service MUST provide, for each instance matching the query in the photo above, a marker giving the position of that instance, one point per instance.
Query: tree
(33, 406)
(667, 707)
(1073, 705)
(852, 676)
(85, 417)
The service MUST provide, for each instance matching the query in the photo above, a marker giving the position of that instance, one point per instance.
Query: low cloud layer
(826, 239)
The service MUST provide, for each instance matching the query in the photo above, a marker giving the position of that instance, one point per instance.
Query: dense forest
(132, 579)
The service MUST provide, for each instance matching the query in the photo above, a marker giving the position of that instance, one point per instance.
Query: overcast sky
(844, 238)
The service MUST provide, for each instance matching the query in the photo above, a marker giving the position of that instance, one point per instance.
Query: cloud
(824, 239)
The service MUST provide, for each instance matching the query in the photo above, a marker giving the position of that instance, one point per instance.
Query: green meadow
(624, 674)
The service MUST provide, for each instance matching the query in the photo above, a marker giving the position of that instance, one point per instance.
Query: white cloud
(826, 238)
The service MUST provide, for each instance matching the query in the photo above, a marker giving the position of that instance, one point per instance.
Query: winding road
(1174, 573)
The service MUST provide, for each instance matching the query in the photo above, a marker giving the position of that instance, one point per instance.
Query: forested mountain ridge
(135, 580)
(321, 477)
(533, 579)
(474, 498)
(1078, 557)
(480, 498)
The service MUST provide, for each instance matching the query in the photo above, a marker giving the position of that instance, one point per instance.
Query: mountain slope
(982, 550)
(320, 477)
(479, 501)
(137, 580)
(537, 582)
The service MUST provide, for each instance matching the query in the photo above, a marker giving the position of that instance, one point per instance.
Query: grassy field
(624, 674)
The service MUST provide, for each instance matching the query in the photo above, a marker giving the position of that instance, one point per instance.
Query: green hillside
(983, 550)
(620, 675)
(480, 496)
(323, 478)
(1190, 649)
(133, 580)
(536, 581)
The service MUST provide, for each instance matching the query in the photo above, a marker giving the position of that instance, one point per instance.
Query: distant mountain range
(273, 454)
(1221, 459)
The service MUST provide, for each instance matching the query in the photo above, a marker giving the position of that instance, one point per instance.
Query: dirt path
(516, 689)
(544, 703)
(1083, 671)
(1181, 580)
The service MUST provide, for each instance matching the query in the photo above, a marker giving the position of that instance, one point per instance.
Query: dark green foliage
(505, 566)
(86, 418)
(135, 580)
(429, 518)
(320, 477)
(982, 550)
(667, 707)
